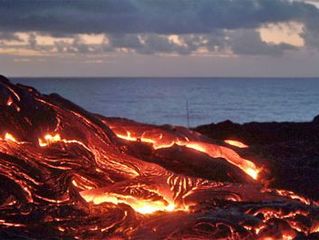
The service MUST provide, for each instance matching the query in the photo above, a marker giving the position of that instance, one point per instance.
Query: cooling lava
(66, 173)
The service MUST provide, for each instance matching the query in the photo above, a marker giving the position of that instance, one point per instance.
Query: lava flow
(66, 173)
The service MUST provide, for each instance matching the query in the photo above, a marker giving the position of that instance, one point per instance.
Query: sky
(159, 38)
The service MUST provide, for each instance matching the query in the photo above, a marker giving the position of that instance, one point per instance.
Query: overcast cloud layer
(217, 28)
(145, 16)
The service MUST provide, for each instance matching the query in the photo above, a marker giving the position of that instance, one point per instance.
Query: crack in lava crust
(67, 173)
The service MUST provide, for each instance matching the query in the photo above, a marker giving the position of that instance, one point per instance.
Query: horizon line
(176, 77)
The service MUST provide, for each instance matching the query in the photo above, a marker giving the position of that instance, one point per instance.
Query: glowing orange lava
(160, 141)
(236, 143)
(66, 173)
(49, 139)
(10, 137)
(143, 206)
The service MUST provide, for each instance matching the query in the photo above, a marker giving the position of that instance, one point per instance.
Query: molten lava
(9, 137)
(163, 139)
(66, 173)
(49, 139)
(138, 204)
(236, 143)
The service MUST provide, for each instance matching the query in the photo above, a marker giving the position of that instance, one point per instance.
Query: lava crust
(66, 173)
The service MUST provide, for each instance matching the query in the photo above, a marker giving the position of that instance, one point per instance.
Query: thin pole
(187, 113)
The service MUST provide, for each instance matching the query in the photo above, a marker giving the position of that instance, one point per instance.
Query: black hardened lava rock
(290, 150)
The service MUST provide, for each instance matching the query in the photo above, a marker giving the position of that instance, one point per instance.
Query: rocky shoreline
(290, 150)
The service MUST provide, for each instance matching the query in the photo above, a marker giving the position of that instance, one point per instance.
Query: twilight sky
(159, 38)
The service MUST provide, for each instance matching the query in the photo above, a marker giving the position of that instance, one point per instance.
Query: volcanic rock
(66, 173)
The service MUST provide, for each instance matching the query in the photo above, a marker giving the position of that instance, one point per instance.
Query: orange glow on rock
(315, 228)
(49, 139)
(140, 205)
(236, 143)
(127, 137)
(79, 180)
(10, 138)
(9, 101)
(159, 141)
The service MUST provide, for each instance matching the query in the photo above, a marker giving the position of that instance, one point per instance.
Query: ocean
(189, 101)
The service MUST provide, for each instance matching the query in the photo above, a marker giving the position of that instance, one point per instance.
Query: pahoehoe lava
(66, 173)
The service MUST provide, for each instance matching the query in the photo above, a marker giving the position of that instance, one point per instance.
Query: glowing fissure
(212, 150)
(50, 139)
(9, 137)
(236, 143)
(143, 206)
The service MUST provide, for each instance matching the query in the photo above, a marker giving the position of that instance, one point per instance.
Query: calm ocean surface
(163, 100)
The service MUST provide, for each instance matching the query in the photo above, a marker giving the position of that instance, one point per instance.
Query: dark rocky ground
(289, 150)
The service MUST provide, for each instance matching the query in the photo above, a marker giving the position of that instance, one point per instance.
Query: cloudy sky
(159, 38)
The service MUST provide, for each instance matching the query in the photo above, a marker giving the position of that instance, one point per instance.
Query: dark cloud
(311, 31)
(142, 26)
(9, 36)
(239, 42)
(312, 38)
(144, 16)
